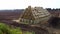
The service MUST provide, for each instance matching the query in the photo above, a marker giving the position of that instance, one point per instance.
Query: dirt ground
(36, 28)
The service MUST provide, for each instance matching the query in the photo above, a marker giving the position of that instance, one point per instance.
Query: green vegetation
(5, 29)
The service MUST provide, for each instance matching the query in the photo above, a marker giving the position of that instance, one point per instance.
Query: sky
(22, 4)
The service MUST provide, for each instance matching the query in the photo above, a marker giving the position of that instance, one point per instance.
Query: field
(7, 26)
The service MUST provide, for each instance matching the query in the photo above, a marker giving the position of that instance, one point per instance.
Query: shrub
(7, 30)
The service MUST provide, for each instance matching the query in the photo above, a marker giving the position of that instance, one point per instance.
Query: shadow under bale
(54, 22)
